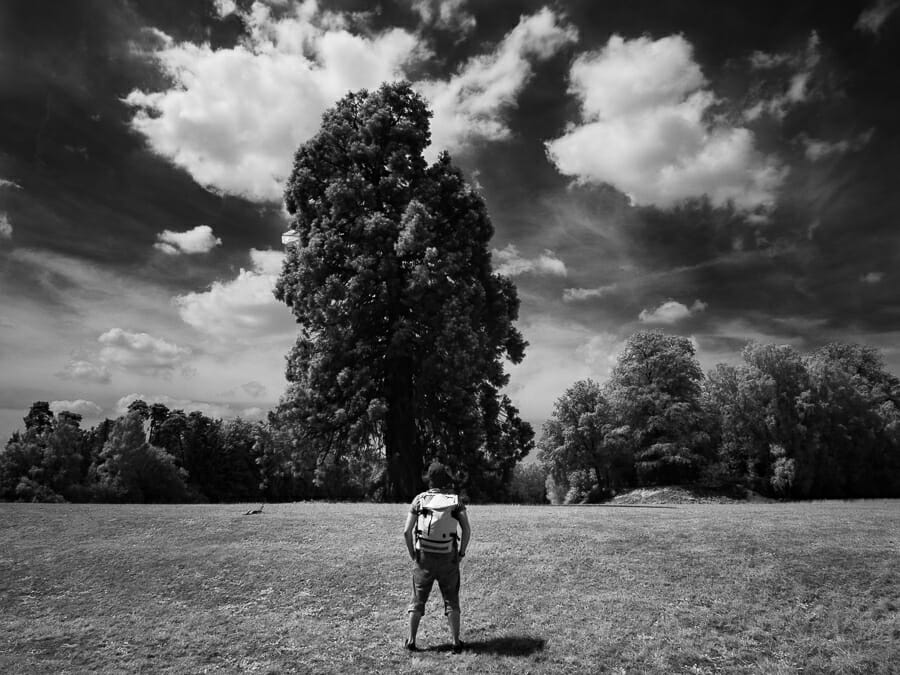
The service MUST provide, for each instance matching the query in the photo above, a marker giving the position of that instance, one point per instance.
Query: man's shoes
(410, 646)
(458, 647)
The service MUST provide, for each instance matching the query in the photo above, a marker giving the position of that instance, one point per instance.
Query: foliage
(528, 484)
(583, 445)
(655, 391)
(132, 470)
(403, 324)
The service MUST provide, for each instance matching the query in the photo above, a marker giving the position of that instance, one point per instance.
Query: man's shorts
(440, 567)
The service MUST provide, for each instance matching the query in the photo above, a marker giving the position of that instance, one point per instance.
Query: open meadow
(322, 588)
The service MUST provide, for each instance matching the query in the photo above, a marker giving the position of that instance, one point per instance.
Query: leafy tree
(848, 413)
(21, 460)
(583, 443)
(528, 484)
(655, 391)
(132, 470)
(202, 457)
(63, 466)
(237, 471)
(403, 325)
(738, 399)
(170, 433)
(39, 418)
(45, 463)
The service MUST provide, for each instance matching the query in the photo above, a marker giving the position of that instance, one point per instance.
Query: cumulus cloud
(233, 117)
(243, 307)
(447, 15)
(872, 19)
(215, 410)
(645, 128)
(818, 149)
(6, 229)
(85, 371)
(197, 240)
(512, 264)
(671, 312)
(141, 353)
(81, 407)
(471, 105)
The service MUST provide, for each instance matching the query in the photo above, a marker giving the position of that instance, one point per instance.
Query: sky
(728, 172)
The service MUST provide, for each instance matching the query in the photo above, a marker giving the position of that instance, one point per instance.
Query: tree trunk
(403, 454)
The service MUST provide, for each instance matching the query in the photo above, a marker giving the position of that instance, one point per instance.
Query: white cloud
(512, 264)
(872, 19)
(872, 277)
(6, 229)
(645, 129)
(447, 15)
(215, 410)
(671, 312)
(87, 409)
(559, 354)
(10, 184)
(471, 105)
(818, 149)
(601, 352)
(85, 371)
(234, 117)
(797, 68)
(243, 307)
(141, 353)
(578, 294)
(197, 240)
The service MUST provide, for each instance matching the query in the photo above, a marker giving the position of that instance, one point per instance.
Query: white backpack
(435, 524)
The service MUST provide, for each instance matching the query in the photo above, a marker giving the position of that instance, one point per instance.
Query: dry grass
(750, 588)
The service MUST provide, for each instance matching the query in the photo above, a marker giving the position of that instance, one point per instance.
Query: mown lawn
(322, 588)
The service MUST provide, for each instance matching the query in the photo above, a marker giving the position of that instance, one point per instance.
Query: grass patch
(755, 588)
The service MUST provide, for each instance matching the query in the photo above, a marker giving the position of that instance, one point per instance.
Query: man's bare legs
(414, 618)
(453, 620)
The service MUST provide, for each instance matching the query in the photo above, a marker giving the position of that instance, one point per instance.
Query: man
(436, 550)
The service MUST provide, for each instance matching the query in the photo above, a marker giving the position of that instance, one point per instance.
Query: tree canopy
(404, 328)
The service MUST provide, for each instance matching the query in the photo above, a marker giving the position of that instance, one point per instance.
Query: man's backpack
(435, 523)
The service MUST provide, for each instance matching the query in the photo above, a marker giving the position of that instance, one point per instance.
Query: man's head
(437, 476)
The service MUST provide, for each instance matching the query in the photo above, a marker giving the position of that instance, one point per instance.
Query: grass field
(322, 588)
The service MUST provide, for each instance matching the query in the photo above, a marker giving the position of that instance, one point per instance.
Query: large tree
(655, 391)
(583, 436)
(403, 325)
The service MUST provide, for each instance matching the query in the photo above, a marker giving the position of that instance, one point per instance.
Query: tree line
(782, 424)
(154, 454)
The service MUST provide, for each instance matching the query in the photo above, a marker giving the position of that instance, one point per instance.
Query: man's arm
(408, 534)
(466, 532)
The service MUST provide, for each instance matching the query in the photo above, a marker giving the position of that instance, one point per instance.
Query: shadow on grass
(615, 506)
(507, 645)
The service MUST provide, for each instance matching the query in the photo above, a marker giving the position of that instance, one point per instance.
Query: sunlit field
(322, 588)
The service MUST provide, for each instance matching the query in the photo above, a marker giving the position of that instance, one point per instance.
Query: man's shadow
(506, 645)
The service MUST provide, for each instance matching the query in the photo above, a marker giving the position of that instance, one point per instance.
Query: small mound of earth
(679, 495)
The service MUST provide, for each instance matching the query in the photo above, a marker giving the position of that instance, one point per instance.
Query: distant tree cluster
(150, 454)
(825, 425)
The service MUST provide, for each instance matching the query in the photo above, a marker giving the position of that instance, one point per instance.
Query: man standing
(436, 549)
